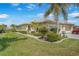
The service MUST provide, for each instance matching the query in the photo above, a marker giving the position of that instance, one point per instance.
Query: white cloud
(69, 21)
(1, 23)
(29, 7)
(72, 21)
(19, 9)
(32, 5)
(15, 4)
(74, 14)
(40, 14)
(3, 15)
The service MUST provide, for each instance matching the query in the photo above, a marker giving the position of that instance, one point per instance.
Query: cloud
(31, 6)
(15, 4)
(74, 14)
(3, 15)
(19, 9)
(42, 15)
(69, 21)
(73, 21)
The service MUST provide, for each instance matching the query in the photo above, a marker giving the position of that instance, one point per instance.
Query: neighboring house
(67, 27)
(25, 27)
(2, 26)
(76, 27)
(22, 28)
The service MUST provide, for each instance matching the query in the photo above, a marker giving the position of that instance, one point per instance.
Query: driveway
(73, 36)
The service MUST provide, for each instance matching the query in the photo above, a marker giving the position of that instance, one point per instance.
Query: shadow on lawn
(5, 42)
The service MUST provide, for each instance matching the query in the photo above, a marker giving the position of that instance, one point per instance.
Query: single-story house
(68, 27)
(25, 27)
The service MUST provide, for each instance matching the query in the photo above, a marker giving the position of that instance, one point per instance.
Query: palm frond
(64, 9)
(50, 10)
(76, 5)
(40, 4)
(56, 11)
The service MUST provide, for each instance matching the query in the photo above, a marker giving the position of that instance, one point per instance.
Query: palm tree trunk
(57, 27)
(57, 23)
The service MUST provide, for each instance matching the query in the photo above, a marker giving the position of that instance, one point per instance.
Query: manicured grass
(18, 45)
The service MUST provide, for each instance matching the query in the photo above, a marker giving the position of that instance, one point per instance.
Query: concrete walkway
(33, 37)
(46, 41)
(41, 39)
(60, 40)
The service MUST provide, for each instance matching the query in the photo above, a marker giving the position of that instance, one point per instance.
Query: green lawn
(12, 44)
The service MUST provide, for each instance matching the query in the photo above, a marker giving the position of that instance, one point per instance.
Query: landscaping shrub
(9, 31)
(36, 34)
(24, 32)
(53, 36)
(43, 30)
(54, 30)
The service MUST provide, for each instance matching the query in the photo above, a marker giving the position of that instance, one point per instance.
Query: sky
(19, 13)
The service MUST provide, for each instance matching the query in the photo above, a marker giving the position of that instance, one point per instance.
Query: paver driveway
(73, 36)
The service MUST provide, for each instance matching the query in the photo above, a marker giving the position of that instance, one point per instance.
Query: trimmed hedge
(53, 30)
(24, 32)
(9, 31)
(53, 37)
(43, 30)
(37, 34)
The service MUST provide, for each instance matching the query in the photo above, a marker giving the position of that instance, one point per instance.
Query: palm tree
(57, 9)
(13, 27)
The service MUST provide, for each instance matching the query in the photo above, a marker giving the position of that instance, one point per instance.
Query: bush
(9, 31)
(24, 32)
(54, 30)
(36, 34)
(43, 30)
(53, 37)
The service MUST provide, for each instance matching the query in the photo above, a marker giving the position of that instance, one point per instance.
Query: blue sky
(18, 13)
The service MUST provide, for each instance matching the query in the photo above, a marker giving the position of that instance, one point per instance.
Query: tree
(3, 28)
(13, 27)
(57, 9)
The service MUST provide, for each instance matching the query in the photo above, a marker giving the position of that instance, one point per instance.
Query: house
(76, 27)
(68, 27)
(25, 27)
(49, 24)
